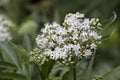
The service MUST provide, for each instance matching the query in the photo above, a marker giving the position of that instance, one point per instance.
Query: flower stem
(74, 73)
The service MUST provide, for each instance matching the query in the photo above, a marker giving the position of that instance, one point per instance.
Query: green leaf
(46, 68)
(111, 73)
(89, 68)
(6, 75)
(28, 70)
(19, 49)
(27, 43)
(26, 67)
(109, 21)
(39, 71)
(7, 65)
(58, 70)
(107, 26)
(108, 35)
(1, 57)
(68, 75)
(10, 53)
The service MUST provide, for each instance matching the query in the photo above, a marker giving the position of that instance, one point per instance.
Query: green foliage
(9, 53)
(89, 68)
(46, 68)
(107, 26)
(6, 75)
(29, 17)
(7, 65)
(111, 73)
(68, 75)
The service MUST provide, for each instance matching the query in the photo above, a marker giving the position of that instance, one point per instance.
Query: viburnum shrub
(75, 39)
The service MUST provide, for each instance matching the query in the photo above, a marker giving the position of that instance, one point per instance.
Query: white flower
(86, 24)
(51, 44)
(41, 41)
(76, 50)
(5, 25)
(76, 38)
(73, 19)
(95, 35)
(93, 46)
(4, 21)
(87, 53)
(4, 34)
(84, 36)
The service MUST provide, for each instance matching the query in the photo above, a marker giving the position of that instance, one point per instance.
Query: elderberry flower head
(74, 40)
(4, 26)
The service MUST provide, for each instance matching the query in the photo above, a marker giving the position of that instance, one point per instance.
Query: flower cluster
(4, 33)
(75, 39)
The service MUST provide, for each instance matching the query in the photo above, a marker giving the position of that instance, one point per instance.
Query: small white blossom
(84, 36)
(4, 34)
(76, 38)
(93, 46)
(5, 25)
(87, 53)
(95, 35)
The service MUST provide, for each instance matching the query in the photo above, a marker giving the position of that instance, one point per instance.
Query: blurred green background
(30, 16)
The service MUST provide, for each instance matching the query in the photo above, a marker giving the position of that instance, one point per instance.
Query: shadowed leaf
(6, 75)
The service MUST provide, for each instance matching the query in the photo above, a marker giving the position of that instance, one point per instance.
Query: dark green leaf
(107, 26)
(111, 73)
(7, 65)
(6, 75)
(19, 49)
(1, 57)
(89, 68)
(58, 71)
(46, 68)
(27, 68)
(68, 75)
(10, 53)
(108, 35)
(27, 43)
(39, 71)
